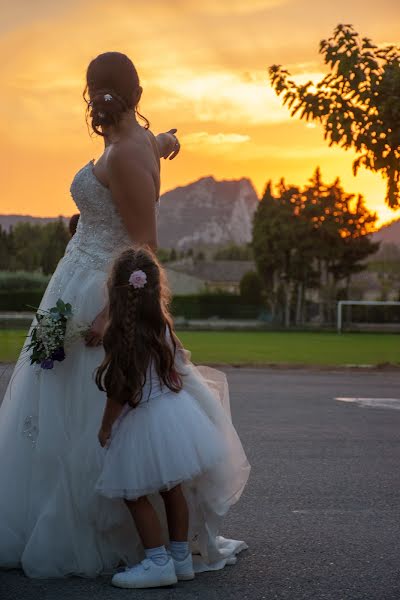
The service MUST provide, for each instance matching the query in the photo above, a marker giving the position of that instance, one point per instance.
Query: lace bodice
(100, 234)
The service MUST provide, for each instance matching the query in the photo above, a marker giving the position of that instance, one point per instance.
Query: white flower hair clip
(108, 97)
(138, 279)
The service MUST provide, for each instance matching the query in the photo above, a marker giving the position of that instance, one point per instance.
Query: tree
(163, 255)
(234, 252)
(27, 241)
(341, 225)
(251, 288)
(33, 247)
(7, 259)
(173, 255)
(55, 238)
(280, 244)
(358, 102)
(310, 239)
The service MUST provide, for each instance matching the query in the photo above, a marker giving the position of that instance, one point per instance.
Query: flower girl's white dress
(166, 440)
(53, 520)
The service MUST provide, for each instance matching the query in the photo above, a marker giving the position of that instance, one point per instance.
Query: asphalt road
(321, 511)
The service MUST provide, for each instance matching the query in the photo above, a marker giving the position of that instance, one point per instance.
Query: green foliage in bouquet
(48, 335)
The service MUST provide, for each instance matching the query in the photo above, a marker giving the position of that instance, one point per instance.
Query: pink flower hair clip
(138, 279)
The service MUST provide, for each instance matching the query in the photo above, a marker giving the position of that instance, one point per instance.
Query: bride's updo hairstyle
(112, 89)
(139, 329)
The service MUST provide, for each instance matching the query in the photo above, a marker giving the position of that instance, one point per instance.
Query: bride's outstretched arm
(135, 193)
(134, 190)
(168, 144)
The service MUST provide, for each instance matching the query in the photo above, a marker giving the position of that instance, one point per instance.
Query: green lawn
(292, 347)
(266, 347)
(11, 341)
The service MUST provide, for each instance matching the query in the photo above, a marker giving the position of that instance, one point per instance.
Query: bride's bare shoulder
(124, 160)
(138, 150)
(152, 138)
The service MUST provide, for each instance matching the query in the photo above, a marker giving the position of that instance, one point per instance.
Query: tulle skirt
(53, 521)
(167, 440)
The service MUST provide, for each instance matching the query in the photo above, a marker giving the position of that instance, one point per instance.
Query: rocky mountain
(8, 221)
(207, 212)
(389, 234)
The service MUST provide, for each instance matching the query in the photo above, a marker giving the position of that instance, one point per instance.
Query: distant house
(188, 276)
(193, 277)
(367, 285)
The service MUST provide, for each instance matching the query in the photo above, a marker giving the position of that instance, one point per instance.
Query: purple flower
(138, 279)
(58, 354)
(47, 363)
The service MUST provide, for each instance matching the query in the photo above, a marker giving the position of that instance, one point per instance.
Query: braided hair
(139, 332)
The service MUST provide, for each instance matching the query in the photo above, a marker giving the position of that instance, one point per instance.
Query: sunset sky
(203, 66)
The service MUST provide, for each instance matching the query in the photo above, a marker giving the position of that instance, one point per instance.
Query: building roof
(218, 271)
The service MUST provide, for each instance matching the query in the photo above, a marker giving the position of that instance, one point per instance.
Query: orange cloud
(204, 69)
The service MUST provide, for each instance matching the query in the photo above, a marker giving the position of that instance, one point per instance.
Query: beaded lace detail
(100, 234)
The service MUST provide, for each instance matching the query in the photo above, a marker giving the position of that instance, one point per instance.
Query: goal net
(368, 315)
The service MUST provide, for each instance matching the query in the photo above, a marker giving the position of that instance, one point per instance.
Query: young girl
(157, 436)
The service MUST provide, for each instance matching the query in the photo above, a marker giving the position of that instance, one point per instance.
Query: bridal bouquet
(48, 335)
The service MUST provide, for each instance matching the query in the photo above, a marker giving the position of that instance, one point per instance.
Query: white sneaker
(146, 575)
(184, 568)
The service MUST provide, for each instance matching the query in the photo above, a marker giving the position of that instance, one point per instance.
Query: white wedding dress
(52, 521)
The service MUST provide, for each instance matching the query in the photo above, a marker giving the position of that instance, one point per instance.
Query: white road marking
(334, 511)
(391, 403)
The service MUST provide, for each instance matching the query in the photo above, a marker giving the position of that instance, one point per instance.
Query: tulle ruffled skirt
(167, 440)
(53, 521)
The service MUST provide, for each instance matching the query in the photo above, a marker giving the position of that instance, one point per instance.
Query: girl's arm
(94, 336)
(181, 355)
(111, 413)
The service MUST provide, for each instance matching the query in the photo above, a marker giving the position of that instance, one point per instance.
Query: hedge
(20, 300)
(205, 306)
(202, 306)
(12, 281)
(21, 290)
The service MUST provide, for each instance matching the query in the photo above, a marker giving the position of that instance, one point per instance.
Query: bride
(52, 522)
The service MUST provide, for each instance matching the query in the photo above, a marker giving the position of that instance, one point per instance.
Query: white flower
(75, 332)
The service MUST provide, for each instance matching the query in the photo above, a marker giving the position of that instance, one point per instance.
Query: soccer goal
(395, 313)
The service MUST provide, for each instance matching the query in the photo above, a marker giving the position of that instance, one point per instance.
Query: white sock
(158, 555)
(179, 550)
